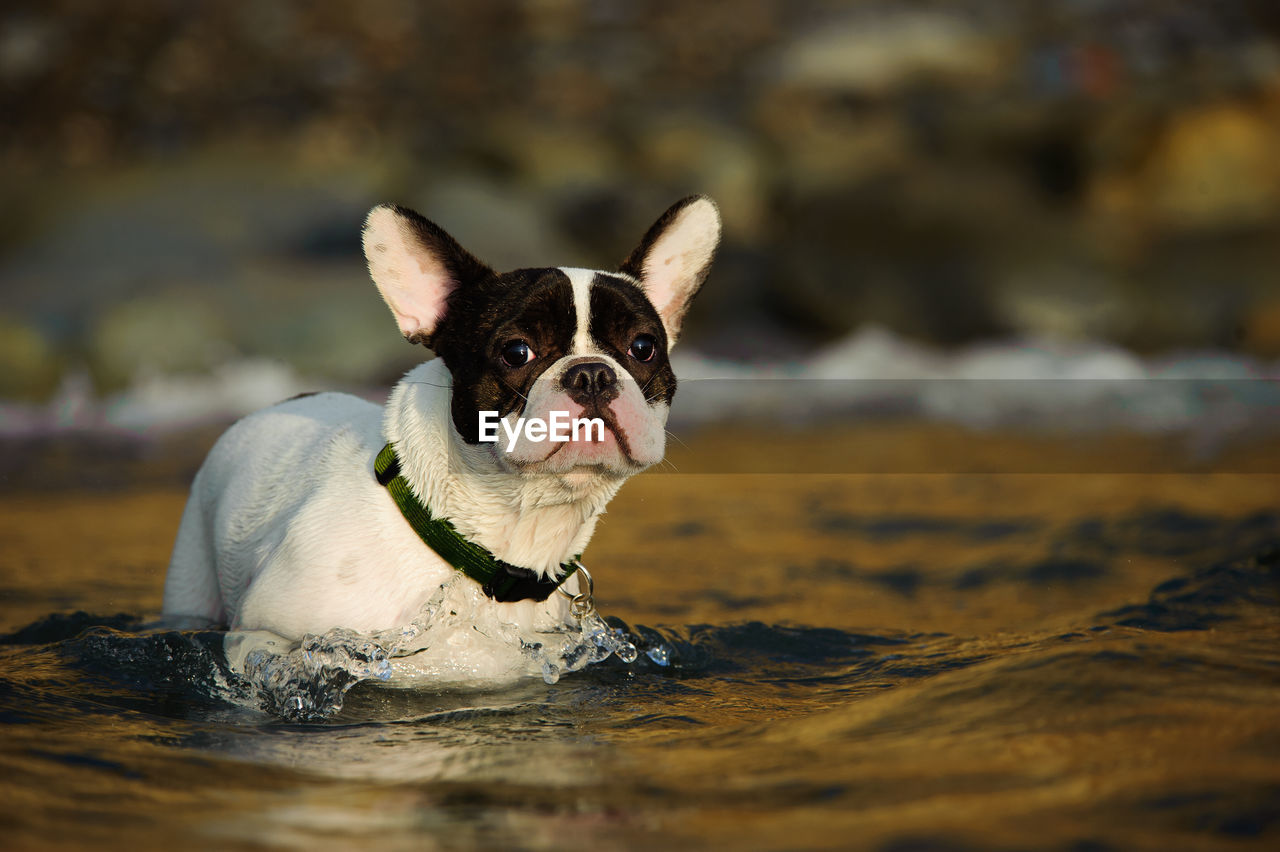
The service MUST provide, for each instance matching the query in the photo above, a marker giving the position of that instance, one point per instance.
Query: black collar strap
(500, 580)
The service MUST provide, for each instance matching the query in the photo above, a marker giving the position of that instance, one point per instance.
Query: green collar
(500, 580)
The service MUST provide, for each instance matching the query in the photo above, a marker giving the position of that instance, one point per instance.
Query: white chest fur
(287, 529)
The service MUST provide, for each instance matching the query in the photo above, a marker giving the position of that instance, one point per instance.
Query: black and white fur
(286, 529)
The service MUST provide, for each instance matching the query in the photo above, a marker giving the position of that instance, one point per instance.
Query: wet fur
(287, 530)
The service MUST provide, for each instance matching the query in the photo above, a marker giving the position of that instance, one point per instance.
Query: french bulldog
(309, 515)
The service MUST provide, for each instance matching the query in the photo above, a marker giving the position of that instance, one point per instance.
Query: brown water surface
(976, 658)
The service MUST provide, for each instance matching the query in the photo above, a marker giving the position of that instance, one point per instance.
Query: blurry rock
(1116, 218)
(96, 242)
(1262, 329)
(736, 313)
(28, 47)
(1195, 287)
(504, 227)
(29, 367)
(1216, 166)
(852, 258)
(598, 221)
(178, 330)
(325, 320)
(879, 51)
(550, 157)
(1062, 302)
(713, 158)
(823, 144)
(932, 166)
(98, 245)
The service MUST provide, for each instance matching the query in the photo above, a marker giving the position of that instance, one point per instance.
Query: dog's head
(554, 345)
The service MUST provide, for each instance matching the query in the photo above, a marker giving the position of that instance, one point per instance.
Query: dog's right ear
(416, 265)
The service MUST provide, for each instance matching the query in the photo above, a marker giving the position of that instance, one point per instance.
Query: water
(890, 662)
(759, 735)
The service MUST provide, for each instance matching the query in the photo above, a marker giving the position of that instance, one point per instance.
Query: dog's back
(262, 479)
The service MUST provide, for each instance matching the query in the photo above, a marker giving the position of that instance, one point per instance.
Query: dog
(328, 511)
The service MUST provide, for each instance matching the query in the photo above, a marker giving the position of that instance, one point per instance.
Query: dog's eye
(643, 347)
(517, 353)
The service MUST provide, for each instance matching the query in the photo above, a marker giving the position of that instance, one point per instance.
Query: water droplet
(626, 652)
(550, 672)
(660, 654)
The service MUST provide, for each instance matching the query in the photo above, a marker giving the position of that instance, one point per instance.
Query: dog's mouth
(611, 455)
(612, 429)
(602, 448)
(561, 431)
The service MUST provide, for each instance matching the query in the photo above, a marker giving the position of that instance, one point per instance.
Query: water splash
(308, 679)
(456, 641)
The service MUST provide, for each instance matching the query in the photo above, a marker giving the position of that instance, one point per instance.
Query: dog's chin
(588, 461)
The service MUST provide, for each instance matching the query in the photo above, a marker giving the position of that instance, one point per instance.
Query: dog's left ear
(416, 266)
(674, 258)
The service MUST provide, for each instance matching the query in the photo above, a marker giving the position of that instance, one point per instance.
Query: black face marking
(480, 322)
(620, 312)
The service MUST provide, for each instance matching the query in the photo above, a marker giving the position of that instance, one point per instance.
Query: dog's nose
(591, 381)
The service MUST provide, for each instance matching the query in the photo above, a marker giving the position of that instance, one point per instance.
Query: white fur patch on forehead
(581, 280)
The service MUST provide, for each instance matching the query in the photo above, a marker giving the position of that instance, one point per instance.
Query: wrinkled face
(558, 346)
(560, 371)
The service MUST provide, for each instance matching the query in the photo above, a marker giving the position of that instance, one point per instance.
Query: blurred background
(935, 213)
(184, 183)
